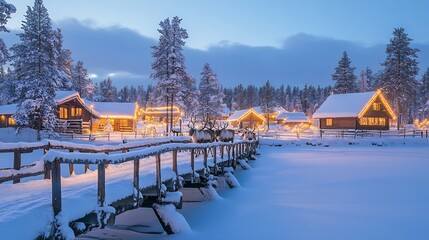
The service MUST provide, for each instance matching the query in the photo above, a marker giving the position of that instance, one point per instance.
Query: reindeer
(249, 134)
(200, 135)
(222, 134)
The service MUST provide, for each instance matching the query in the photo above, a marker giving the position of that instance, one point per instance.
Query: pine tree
(424, 91)
(36, 71)
(268, 100)
(399, 73)
(64, 61)
(345, 80)
(6, 9)
(174, 85)
(80, 81)
(107, 91)
(210, 99)
(238, 101)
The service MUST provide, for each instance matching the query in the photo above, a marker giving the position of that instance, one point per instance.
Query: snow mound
(172, 218)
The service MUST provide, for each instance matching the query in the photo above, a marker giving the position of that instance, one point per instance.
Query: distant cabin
(253, 117)
(78, 115)
(363, 111)
(292, 119)
(156, 115)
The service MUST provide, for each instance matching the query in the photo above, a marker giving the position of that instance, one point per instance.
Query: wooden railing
(19, 171)
(55, 158)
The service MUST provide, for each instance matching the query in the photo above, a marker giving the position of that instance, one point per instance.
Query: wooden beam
(175, 162)
(192, 163)
(101, 186)
(16, 163)
(205, 157)
(71, 168)
(56, 187)
(158, 174)
(136, 182)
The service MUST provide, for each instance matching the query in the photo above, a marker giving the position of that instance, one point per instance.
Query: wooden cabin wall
(339, 123)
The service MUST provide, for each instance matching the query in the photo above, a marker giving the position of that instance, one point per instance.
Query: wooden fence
(54, 159)
(19, 171)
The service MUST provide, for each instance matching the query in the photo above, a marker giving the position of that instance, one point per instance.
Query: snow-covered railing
(21, 171)
(55, 158)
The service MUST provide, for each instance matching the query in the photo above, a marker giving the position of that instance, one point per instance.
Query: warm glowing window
(124, 123)
(75, 112)
(63, 113)
(376, 106)
(371, 121)
(11, 121)
(329, 122)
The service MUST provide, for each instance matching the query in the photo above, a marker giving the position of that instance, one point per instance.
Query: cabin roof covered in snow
(237, 115)
(293, 117)
(123, 110)
(63, 96)
(343, 105)
(8, 109)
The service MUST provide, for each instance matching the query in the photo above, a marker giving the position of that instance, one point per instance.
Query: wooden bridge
(223, 157)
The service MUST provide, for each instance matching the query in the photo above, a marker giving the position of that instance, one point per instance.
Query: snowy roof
(8, 109)
(293, 117)
(114, 109)
(276, 110)
(241, 113)
(344, 105)
(63, 96)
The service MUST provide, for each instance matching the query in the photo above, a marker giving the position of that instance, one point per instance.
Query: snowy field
(340, 189)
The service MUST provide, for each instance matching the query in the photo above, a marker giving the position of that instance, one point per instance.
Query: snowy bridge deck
(28, 210)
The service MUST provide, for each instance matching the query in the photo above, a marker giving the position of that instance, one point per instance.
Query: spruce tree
(210, 99)
(64, 61)
(268, 100)
(399, 73)
(6, 9)
(345, 80)
(107, 91)
(175, 85)
(36, 71)
(80, 81)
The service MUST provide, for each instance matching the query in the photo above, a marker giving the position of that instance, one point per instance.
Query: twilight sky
(290, 42)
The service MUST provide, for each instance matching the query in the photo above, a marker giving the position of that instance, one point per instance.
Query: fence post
(175, 162)
(192, 164)
(56, 187)
(233, 152)
(16, 163)
(321, 133)
(214, 160)
(158, 175)
(221, 151)
(205, 157)
(71, 168)
(101, 191)
(136, 182)
(426, 133)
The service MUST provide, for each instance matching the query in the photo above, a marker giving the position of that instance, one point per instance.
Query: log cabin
(77, 115)
(359, 111)
(292, 119)
(247, 118)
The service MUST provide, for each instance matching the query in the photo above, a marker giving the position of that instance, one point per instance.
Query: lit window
(72, 112)
(329, 122)
(78, 112)
(376, 106)
(371, 121)
(11, 121)
(63, 113)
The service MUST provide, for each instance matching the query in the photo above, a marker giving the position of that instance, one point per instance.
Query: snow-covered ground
(337, 189)
(305, 189)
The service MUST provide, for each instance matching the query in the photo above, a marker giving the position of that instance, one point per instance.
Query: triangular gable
(383, 101)
(241, 114)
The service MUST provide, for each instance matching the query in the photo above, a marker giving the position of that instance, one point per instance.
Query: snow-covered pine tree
(8, 93)
(6, 9)
(238, 101)
(399, 74)
(210, 99)
(424, 91)
(345, 80)
(107, 92)
(80, 81)
(64, 61)
(174, 85)
(268, 100)
(36, 71)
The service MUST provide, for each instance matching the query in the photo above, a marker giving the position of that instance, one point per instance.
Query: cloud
(302, 59)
